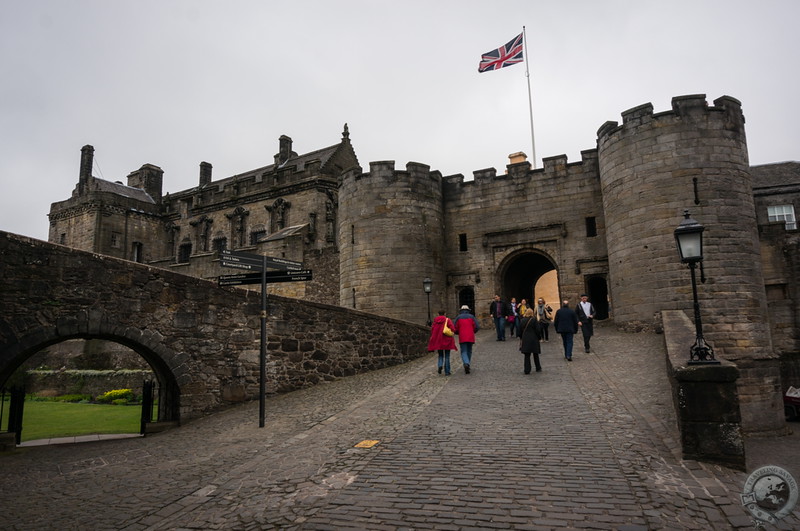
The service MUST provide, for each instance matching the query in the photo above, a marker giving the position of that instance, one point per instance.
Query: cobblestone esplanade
(693, 157)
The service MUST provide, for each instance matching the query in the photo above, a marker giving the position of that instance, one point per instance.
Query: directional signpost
(288, 271)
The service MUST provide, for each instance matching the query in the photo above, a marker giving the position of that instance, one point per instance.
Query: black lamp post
(426, 285)
(689, 237)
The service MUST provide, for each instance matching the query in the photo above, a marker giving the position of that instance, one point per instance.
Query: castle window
(184, 252)
(219, 244)
(776, 292)
(783, 213)
(257, 235)
(136, 252)
(63, 238)
(116, 239)
(462, 242)
(591, 227)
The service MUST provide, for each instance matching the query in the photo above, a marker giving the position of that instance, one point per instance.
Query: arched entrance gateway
(529, 275)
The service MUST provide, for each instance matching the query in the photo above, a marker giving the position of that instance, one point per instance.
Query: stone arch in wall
(521, 271)
(148, 346)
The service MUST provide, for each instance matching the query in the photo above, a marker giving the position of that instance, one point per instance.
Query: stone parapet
(706, 399)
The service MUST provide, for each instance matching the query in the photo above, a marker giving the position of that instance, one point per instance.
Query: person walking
(512, 316)
(499, 311)
(529, 341)
(566, 324)
(585, 312)
(465, 326)
(521, 307)
(544, 314)
(441, 342)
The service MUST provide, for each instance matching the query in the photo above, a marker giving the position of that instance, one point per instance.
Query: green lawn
(46, 420)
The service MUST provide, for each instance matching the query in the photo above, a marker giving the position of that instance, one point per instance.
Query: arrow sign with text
(289, 276)
(254, 262)
(240, 279)
(271, 276)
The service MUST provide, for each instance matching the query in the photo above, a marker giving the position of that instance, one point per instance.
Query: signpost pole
(263, 356)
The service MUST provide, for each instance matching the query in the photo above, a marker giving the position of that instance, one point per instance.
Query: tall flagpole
(530, 100)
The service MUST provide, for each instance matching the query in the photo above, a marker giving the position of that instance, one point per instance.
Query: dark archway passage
(466, 297)
(598, 293)
(522, 272)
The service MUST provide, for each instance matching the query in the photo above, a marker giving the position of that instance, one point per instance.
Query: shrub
(73, 398)
(120, 402)
(116, 394)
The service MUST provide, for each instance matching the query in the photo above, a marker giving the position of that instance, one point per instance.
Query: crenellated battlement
(385, 170)
(692, 107)
(557, 167)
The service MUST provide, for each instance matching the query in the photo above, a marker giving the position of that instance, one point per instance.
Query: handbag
(447, 331)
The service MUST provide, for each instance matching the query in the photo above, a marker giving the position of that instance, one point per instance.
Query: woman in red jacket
(441, 342)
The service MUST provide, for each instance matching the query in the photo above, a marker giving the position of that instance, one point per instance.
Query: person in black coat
(529, 341)
(585, 312)
(566, 324)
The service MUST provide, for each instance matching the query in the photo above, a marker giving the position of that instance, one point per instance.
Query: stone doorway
(597, 289)
(529, 275)
(466, 296)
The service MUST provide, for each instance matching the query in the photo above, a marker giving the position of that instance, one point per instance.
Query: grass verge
(47, 420)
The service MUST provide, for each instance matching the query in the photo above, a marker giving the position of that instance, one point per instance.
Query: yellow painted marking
(366, 444)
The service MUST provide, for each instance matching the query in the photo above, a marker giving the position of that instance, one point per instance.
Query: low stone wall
(706, 399)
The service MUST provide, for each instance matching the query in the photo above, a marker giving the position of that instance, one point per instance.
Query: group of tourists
(443, 332)
(510, 315)
(530, 324)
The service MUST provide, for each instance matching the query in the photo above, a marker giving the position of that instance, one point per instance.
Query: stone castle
(603, 225)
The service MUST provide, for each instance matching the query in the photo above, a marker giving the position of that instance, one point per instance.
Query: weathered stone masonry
(202, 341)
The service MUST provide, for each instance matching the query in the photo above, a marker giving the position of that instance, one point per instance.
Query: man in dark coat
(585, 312)
(566, 324)
(499, 310)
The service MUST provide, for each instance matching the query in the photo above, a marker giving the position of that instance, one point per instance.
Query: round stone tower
(652, 168)
(391, 237)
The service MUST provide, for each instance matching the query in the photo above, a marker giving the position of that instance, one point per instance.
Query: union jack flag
(507, 55)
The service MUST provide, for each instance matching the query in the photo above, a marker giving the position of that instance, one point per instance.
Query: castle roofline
(775, 175)
(101, 185)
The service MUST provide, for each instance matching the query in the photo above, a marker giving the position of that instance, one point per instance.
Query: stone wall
(201, 341)
(706, 399)
(505, 217)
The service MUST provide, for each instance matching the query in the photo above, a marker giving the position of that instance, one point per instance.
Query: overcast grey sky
(177, 82)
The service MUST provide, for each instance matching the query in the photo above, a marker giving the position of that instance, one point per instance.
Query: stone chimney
(87, 161)
(284, 150)
(516, 158)
(205, 174)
